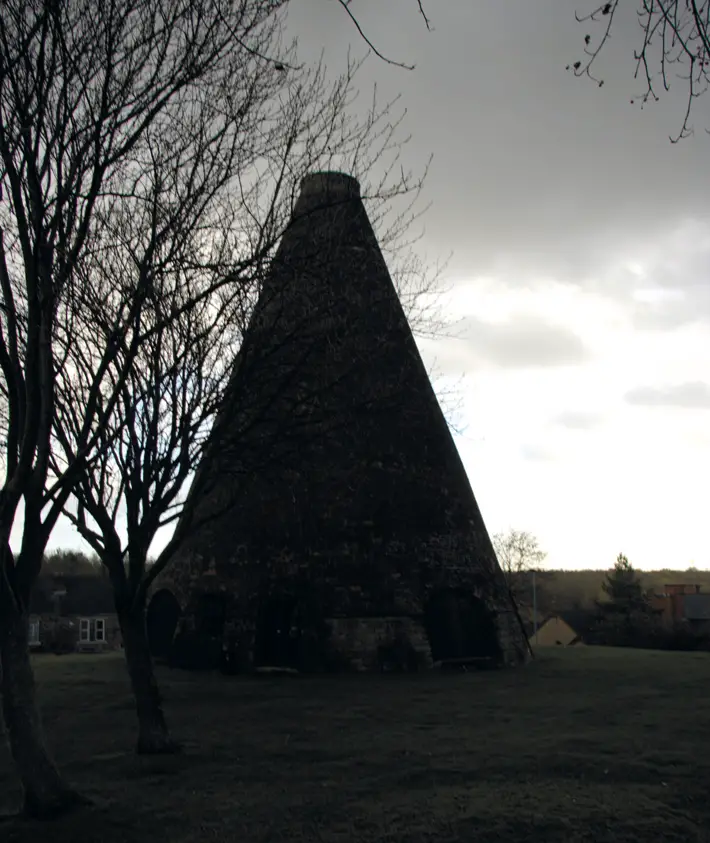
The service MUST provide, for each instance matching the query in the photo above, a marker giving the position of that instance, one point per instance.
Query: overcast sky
(581, 246)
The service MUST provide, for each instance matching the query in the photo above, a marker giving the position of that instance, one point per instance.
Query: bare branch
(150, 153)
(674, 45)
(346, 6)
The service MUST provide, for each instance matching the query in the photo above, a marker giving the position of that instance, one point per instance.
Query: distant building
(696, 611)
(73, 614)
(682, 603)
(563, 629)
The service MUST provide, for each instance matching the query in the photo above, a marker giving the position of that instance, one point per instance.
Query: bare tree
(132, 482)
(518, 554)
(92, 95)
(673, 44)
(88, 94)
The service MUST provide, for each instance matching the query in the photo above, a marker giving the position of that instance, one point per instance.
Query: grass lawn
(583, 745)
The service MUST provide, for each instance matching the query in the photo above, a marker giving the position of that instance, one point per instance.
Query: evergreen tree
(625, 617)
(623, 588)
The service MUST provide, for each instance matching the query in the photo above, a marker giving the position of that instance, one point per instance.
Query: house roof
(580, 620)
(72, 595)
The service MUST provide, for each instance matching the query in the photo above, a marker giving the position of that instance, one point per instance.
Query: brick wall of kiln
(364, 643)
(361, 616)
(363, 502)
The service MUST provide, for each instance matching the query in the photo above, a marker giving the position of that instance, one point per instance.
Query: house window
(92, 629)
(34, 633)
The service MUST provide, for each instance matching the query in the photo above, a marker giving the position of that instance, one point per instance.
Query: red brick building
(682, 603)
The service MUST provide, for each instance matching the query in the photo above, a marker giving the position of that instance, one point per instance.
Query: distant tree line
(625, 617)
(69, 562)
(614, 605)
(72, 563)
(561, 590)
(616, 601)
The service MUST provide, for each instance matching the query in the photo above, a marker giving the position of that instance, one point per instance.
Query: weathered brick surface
(334, 481)
(375, 643)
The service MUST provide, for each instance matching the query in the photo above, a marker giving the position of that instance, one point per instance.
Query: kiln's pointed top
(331, 184)
(324, 189)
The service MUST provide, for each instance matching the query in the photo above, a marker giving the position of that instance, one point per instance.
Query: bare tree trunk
(46, 795)
(153, 735)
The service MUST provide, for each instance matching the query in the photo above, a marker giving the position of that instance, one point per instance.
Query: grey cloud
(667, 315)
(577, 420)
(532, 167)
(677, 289)
(535, 453)
(522, 342)
(690, 395)
(535, 173)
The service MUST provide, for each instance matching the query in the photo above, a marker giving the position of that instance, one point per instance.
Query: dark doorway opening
(201, 648)
(277, 639)
(459, 626)
(161, 622)
(210, 615)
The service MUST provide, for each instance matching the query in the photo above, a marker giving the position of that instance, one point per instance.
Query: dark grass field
(583, 745)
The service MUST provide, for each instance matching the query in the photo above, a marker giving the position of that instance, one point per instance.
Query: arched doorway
(161, 622)
(460, 626)
(201, 647)
(277, 640)
(210, 615)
